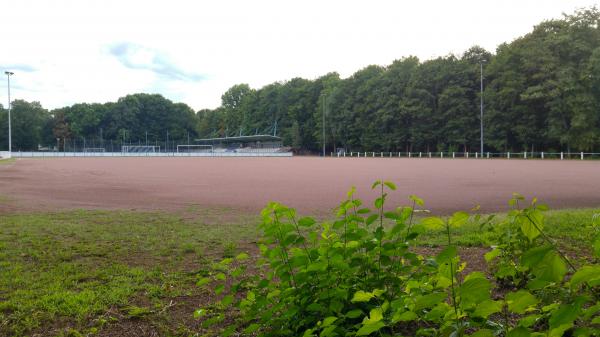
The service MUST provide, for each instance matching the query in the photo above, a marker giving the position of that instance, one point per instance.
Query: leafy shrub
(359, 276)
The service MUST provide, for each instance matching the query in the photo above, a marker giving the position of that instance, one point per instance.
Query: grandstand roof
(240, 139)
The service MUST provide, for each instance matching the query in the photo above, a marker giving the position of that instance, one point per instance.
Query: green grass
(572, 226)
(65, 269)
(7, 161)
(81, 269)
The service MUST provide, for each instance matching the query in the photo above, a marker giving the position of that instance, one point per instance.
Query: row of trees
(542, 92)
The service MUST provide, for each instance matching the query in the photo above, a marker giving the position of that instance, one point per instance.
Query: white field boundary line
(147, 154)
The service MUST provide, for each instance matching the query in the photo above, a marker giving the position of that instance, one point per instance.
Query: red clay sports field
(310, 184)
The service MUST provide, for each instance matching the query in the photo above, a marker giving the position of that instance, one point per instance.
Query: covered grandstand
(245, 144)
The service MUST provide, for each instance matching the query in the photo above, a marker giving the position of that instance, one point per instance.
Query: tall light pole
(481, 106)
(8, 74)
(324, 98)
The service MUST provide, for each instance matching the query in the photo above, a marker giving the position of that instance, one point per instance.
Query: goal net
(191, 148)
(139, 149)
(94, 149)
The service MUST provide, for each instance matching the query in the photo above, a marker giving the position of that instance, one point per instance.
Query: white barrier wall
(4, 154)
(149, 154)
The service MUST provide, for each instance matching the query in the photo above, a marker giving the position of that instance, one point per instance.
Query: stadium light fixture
(481, 112)
(8, 75)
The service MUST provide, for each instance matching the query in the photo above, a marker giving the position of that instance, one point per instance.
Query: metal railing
(472, 155)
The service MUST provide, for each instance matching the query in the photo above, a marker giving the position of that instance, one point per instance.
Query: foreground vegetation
(142, 273)
(542, 93)
(360, 275)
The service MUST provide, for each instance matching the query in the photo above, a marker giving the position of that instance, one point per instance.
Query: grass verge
(102, 272)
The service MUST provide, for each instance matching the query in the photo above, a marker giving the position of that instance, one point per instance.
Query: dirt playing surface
(310, 184)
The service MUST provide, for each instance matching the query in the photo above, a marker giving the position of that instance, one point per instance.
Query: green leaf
(552, 268)
(596, 245)
(306, 222)
(474, 291)
(486, 308)
(227, 300)
(328, 321)
(219, 289)
(371, 219)
(430, 300)
(532, 224)
(390, 185)
(379, 202)
(566, 314)
(354, 313)
(203, 281)
(375, 315)
(521, 301)
(446, 255)
(242, 257)
(361, 296)
(198, 313)
(535, 255)
(519, 332)
(433, 223)
(405, 316)
(492, 254)
(458, 219)
(375, 184)
(586, 274)
(418, 201)
(368, 329)
(252, 328)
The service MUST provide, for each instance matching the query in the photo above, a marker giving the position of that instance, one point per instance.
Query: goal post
(194, 148)
(140, 149)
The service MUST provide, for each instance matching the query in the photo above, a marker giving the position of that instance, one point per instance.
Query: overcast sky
(65, 52)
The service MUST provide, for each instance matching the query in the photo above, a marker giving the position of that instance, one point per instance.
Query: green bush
(359, 276)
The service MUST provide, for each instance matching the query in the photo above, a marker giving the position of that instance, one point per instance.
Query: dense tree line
(542, 92)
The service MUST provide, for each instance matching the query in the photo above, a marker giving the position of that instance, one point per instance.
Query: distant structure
(244, 144)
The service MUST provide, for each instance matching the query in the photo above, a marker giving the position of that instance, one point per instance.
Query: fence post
(441, 154)
(419, 154)
(581, 155)
(508, 155)
(488, 155)
(429, 154)
(542, 155)
(467, 154)
(409, 154)
(561, 156)
(381, 155)
(525, 155)
(476, 155)
(453, 155)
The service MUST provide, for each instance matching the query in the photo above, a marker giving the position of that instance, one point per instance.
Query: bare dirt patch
(308, 183)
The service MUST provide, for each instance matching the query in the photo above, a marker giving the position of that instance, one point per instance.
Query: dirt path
(307, 183)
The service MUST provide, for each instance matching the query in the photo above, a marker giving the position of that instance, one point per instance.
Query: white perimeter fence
(475, 155)
(148, 154)
(4, 155)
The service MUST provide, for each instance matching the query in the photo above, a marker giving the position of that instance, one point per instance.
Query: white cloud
(67, 51)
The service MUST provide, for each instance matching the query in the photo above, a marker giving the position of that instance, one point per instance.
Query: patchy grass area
(90, 271)
(7, 161)
(573, 227)
(123, 273)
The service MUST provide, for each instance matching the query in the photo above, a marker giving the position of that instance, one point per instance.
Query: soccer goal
(94, 149)
(192, 148)
(140, 149)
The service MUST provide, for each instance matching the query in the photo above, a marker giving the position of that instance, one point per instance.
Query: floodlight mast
(8, 75)
(481, 106)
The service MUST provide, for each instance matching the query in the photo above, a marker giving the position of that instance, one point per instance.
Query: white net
(192, 148)
(139, 149)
